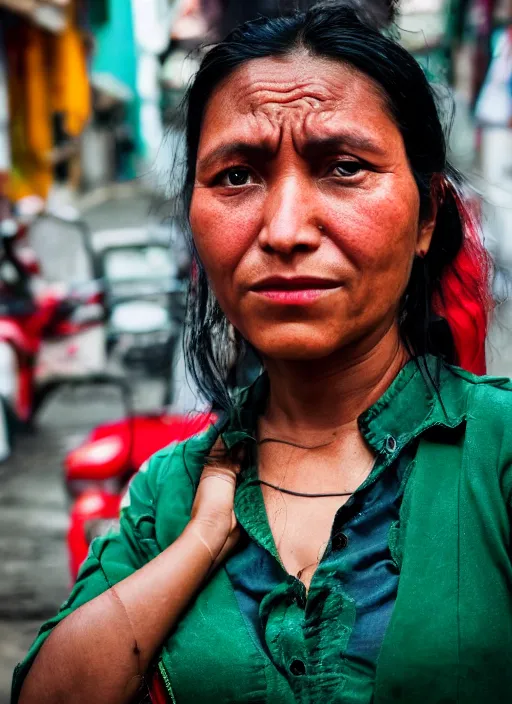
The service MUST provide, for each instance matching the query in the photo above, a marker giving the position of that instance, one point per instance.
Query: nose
(289, 224)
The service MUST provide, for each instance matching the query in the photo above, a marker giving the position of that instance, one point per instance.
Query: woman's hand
(213, 519)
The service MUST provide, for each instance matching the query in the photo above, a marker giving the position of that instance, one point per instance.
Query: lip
(297, 290)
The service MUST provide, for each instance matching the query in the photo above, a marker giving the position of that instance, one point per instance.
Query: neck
(322, 395)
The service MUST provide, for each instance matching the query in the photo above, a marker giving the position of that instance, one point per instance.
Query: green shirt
(450, 634)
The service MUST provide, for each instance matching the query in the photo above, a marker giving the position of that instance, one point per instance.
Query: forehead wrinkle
(265, 97)
(275, 121)
(301, 105)
(308, 128)
(328, 124)
(293, 73)
(304, 109)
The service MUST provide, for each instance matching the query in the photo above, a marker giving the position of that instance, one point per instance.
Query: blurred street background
(93, 262)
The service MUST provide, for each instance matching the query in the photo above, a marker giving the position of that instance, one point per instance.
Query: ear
(426, 229)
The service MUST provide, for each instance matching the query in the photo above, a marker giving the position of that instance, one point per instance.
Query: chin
(295, 347)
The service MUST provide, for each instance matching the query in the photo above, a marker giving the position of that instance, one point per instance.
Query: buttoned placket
(288, 612)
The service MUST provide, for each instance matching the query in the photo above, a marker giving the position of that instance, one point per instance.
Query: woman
(343, 535)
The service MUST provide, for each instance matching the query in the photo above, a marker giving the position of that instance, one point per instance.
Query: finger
(218, 454)
(228, 477)
(220, 457)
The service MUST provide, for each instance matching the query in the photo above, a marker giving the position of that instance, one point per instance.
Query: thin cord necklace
(295, 444)
(298, 493)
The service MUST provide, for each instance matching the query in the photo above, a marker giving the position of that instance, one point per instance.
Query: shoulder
(484, 398)
(484, 403)
(479, 409)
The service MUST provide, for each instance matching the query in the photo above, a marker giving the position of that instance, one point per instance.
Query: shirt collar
(419, 398)
(425, 393)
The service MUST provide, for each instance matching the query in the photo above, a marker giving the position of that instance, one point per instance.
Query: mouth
(295, 290)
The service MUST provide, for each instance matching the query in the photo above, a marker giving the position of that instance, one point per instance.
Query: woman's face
(305, 212)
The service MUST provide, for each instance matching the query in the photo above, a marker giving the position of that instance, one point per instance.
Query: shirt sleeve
(111, 558)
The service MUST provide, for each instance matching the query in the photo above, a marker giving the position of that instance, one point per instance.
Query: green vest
(450, 635)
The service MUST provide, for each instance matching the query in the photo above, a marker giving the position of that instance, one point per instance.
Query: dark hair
(342, 34)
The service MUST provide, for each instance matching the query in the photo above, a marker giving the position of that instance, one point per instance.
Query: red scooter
(97, 473)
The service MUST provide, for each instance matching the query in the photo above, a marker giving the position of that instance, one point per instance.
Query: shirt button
(297, 668)
(339, 541)
(390, 443)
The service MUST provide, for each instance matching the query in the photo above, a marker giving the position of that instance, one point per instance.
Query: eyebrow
(312, 147)
(233, 150)
(348, 140)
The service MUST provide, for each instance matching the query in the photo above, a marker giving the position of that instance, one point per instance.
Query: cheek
(379, 231)
(378, 238)
(223, 233)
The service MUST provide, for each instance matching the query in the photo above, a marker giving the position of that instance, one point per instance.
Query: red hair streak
(465, 300)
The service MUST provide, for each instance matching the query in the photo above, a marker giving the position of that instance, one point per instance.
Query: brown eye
(347, 168)
(236, 177)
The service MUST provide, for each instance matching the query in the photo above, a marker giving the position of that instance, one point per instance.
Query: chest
(307, 491)
(301, 529)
